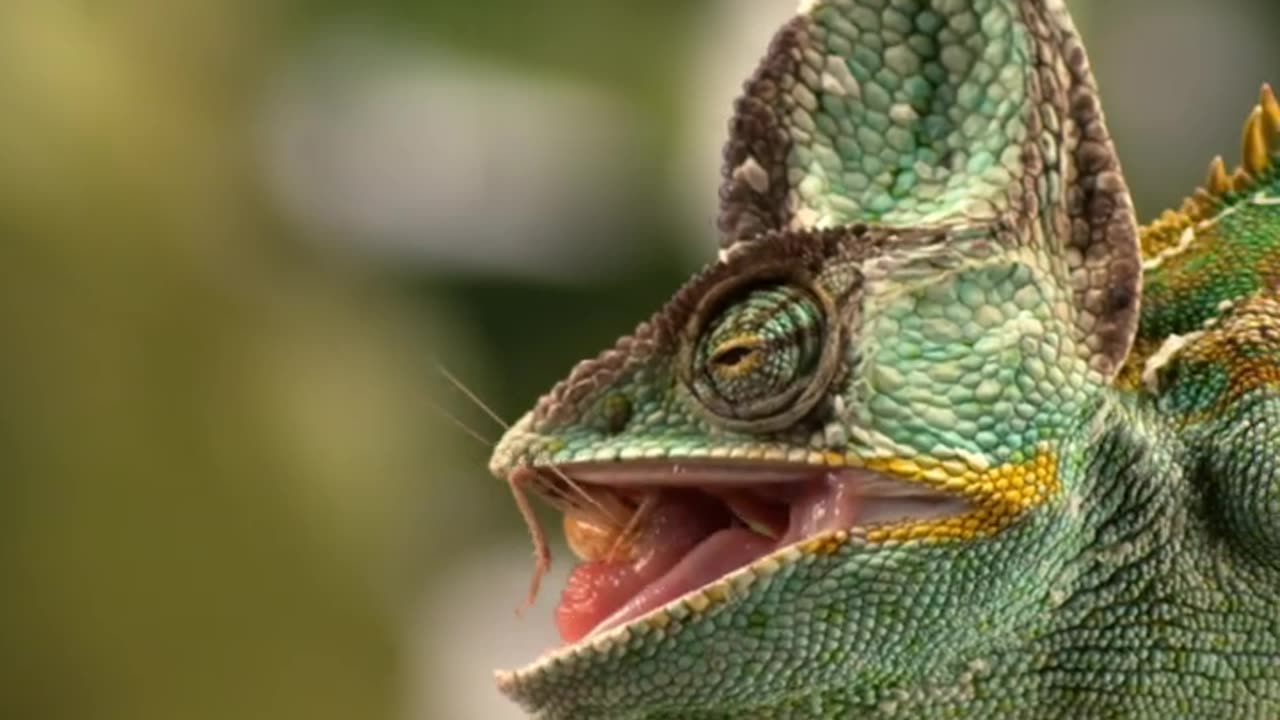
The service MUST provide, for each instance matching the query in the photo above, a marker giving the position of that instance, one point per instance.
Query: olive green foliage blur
(205, 437)
(225, 482)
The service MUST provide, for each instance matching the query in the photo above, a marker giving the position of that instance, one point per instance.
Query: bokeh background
(238, 239)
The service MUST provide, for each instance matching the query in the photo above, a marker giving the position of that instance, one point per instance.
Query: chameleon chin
(941, 433)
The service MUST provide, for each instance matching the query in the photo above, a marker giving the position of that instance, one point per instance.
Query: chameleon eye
(763, 359)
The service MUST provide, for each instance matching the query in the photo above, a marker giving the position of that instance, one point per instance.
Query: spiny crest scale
(1260, 148)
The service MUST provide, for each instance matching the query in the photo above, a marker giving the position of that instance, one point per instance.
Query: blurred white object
(468, 628)
(424, 156)
(734, 36)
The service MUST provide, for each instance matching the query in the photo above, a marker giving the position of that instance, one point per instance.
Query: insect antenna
(582, 492)
(573, 484)
(633, 525)
(521, 481)
(462, 425)
(453, 380)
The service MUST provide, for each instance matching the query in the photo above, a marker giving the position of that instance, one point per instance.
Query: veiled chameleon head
(928, 273)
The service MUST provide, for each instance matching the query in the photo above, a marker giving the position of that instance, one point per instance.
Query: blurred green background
(238, 238)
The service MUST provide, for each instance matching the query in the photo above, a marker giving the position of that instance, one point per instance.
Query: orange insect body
(593, 536)
(605, 527)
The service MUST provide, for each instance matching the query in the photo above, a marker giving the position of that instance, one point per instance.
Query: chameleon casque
(942, 432)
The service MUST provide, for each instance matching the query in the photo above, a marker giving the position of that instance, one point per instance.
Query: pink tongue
(601, 595)
(828, 503)
(594, 589)
(684, 546)
(713, 558)
(598, 588)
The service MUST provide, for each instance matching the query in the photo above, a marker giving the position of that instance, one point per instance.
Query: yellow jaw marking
(999, 495)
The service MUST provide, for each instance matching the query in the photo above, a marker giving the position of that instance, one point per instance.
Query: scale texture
(930, 268)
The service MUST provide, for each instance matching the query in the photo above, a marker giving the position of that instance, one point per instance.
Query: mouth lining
(648, 533)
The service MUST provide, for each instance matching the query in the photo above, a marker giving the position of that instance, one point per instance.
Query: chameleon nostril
(617, 413)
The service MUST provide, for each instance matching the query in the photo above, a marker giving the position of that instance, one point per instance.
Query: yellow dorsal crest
(1260, 154)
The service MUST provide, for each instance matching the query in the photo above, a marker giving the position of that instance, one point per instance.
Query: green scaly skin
(930, 268)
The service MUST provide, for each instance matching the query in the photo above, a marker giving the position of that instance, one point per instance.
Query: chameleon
(941, 432)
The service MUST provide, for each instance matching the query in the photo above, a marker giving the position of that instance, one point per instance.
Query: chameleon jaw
(756, 518)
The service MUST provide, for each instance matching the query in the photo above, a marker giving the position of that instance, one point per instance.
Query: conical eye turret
(761, 347)
(761, 356)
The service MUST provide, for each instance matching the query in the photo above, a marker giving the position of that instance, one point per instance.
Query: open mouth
(648, 533)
